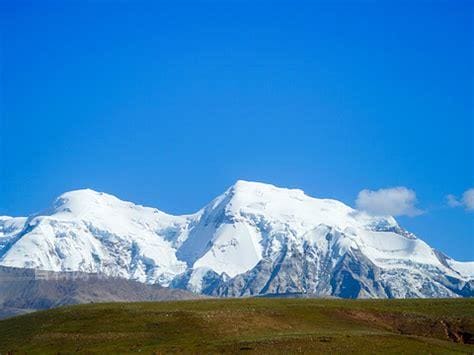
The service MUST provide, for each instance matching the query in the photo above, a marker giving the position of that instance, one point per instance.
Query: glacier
(254, 239)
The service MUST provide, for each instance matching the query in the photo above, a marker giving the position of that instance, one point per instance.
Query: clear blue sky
(167, 103)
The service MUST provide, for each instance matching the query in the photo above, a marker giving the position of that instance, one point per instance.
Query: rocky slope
(26, 290)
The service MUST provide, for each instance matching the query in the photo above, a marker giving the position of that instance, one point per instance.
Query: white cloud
(466, 201)
(453, 201)
(394, 201)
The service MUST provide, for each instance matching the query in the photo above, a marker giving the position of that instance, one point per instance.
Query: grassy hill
(250, 325)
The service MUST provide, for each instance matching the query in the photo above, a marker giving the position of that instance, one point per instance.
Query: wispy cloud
(394, 201)
(466, 201)
(453, 201)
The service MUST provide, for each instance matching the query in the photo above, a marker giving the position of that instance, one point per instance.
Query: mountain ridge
(253, 239)
(27, 290)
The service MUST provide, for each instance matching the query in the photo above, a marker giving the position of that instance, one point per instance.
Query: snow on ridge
(464, 268)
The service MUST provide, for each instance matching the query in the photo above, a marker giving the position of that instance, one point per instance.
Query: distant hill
(23, 290)
(255, 325)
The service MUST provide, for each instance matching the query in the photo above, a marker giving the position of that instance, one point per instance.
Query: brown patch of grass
(452, 329)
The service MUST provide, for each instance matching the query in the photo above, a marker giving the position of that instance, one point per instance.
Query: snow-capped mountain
(253, 239)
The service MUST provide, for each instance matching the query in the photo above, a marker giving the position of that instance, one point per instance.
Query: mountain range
(254, 239)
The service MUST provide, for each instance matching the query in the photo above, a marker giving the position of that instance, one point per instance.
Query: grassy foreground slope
(251, 325)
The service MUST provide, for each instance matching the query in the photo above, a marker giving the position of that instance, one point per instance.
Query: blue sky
(168, 103)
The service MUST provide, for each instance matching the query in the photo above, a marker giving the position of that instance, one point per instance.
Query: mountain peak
(254, 186)
(284, 204)
(78, 200)
(249, 193)
(81, 193)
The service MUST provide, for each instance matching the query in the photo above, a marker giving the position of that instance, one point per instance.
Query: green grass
(256, 325)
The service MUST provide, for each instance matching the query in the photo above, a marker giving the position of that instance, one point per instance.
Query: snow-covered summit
(78, 201)
(254, 238)
(110, 213)
(92, 231)
(295, 207)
